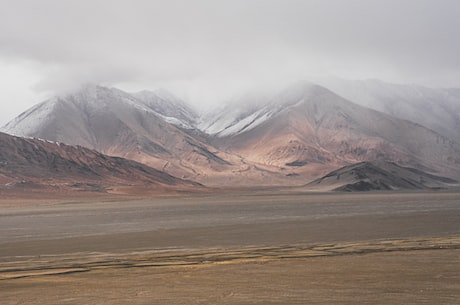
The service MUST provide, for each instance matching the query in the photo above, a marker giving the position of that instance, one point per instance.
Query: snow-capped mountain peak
(251, 110)
(28, 121)
(171, 108)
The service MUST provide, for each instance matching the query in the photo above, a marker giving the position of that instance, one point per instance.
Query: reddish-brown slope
(39, 163)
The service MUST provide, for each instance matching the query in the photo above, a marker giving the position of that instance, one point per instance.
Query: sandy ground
(233, 249)
(410, 277)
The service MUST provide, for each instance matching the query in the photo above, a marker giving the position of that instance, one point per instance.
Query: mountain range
(288, 138)
(308, 124)
(138, 127)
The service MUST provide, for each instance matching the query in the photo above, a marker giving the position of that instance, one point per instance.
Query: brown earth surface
(396, 248)
(396, 277)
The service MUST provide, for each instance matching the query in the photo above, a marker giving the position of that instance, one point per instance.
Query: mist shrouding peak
(207, 51)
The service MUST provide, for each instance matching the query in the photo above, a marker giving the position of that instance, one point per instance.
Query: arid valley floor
(232, 248)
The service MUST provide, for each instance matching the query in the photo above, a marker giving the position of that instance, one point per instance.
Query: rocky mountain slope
(34, 163)
(307, 129)
(239, 114)
(437, 109)
(371, 176)
(172, 109)
(141, 127)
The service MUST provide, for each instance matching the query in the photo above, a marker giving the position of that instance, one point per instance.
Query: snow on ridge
(26, 123)
(45, 141)
(92, 98)
(98, 97)
(233, 123)
(168, 106)
(248, 123)
(245, 114)
(176, 121)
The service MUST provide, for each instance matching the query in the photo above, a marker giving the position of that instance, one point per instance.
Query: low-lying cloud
(210, 49)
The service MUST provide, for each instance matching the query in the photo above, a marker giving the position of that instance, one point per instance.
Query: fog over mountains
(307, 125)
(437, 109)
(287, 138)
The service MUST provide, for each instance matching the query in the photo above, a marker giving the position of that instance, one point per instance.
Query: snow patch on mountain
(252, 110)
(245, 124)
(92, 99)
(437, 109)
(27, 122)
(177, 122)
(171, 108)
(232, 122)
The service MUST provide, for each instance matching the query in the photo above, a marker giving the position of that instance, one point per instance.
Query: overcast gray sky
(209, 50)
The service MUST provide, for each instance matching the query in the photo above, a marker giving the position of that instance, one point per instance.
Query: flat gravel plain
(233, 248)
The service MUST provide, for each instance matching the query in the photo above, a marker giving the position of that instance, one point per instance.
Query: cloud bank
(210, 49)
